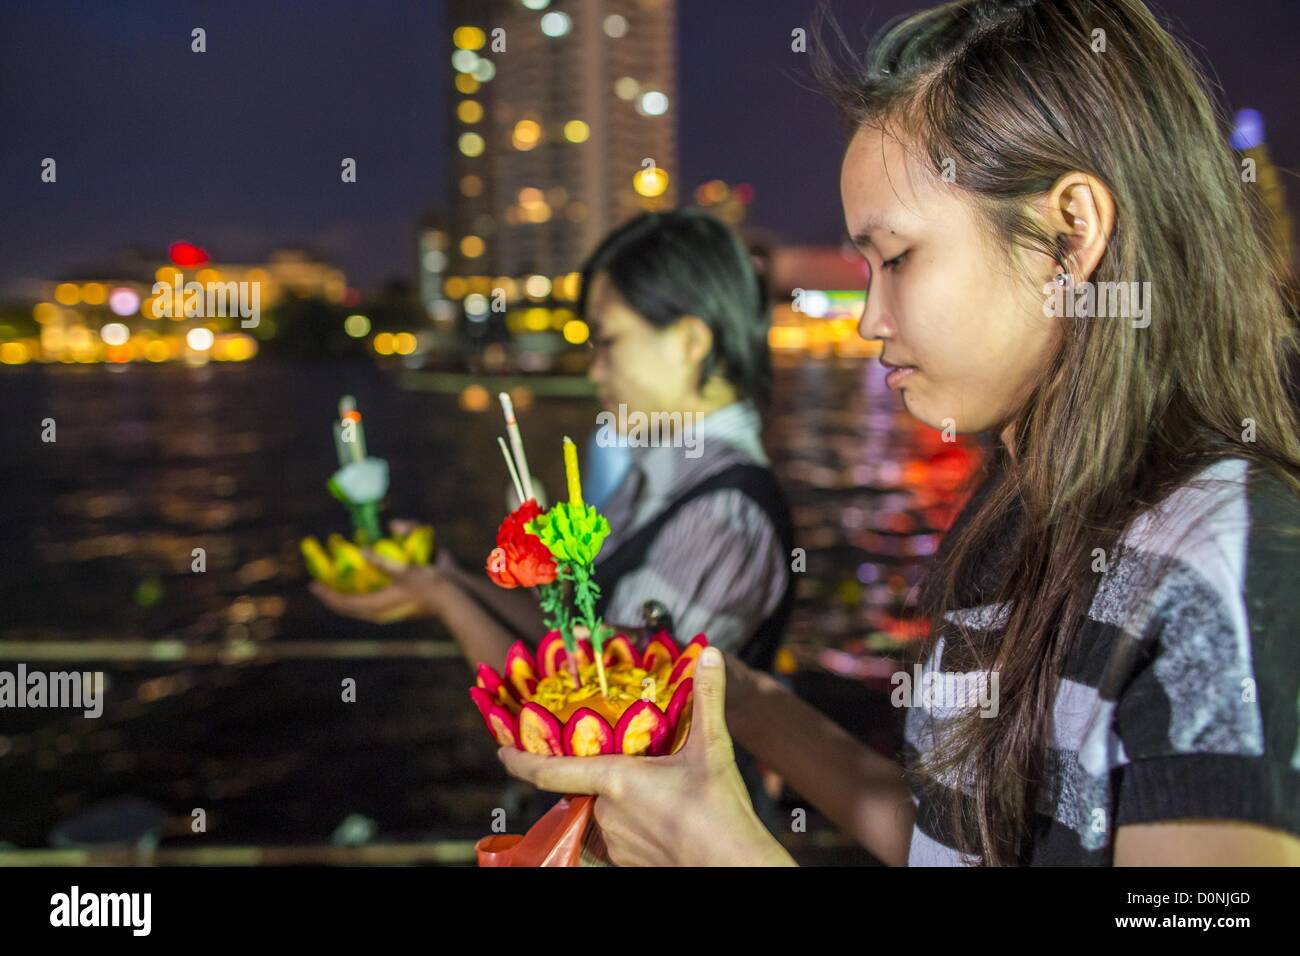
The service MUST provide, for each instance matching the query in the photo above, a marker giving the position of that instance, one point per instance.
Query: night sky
(238, 148)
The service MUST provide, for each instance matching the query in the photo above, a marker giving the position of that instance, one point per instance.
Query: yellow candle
(571, 471)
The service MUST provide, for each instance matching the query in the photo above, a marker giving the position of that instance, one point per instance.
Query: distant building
(434, 260)
(814, 267)
(818, 297)
(113, 312)
(564, 123)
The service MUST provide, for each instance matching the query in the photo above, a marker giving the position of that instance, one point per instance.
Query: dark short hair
(673, 264)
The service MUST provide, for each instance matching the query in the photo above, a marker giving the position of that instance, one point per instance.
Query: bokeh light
(650, 182)
(115, 333)
(576, 331)
(653, 103)
(556, 24)
(469, 38)
(123, 301)
(526, 135)
(471, 144)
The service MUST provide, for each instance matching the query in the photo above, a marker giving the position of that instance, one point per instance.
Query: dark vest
(758, 484)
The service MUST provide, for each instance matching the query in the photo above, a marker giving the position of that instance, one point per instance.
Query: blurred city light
(471, 144)
(653, 103)
(650, 182)
(576, 331)
(626, 88)
(1247, 129)
(464, 61)
(115, 333)
(526, 135)
(123, 301)
(187, 254)
(576, 131)
(469, 38)
(556, 24)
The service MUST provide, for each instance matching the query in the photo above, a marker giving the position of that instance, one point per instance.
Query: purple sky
(239, 148)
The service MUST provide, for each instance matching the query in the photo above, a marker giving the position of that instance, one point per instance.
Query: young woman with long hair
(1063, 253)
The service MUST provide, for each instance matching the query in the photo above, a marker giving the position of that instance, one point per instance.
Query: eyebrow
(870, 225)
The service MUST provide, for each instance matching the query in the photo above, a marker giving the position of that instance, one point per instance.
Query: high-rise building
(564, 127)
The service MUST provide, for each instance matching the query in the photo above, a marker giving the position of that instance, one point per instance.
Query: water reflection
(150, 464)
(872, 491)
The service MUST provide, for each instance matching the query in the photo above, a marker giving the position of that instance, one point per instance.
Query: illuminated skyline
(239, 148)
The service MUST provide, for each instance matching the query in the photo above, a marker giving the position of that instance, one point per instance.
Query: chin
(931, 413)
(920, 410)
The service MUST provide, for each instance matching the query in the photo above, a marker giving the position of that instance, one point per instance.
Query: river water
(98, 533)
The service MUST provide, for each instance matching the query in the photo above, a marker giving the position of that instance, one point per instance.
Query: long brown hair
(1017, 93)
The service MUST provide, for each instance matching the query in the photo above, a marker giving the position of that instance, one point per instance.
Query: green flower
(573, 533)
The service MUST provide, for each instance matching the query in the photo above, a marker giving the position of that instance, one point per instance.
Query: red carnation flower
(520, 559)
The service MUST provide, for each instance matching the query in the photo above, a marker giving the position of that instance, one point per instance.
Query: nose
(875, 322)
(596, 368)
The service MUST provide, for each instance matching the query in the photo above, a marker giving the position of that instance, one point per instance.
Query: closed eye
(892, 265)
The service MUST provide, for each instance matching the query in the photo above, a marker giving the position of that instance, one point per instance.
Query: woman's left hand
(688, 809)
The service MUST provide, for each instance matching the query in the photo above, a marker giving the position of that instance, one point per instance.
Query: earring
(1062, 279)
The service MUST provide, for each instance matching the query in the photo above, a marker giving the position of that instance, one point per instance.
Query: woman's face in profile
(964, 317)
(636, 364)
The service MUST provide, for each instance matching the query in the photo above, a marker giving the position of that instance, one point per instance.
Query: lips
(898, 374)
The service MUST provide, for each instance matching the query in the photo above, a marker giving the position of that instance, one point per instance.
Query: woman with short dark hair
(679, 324)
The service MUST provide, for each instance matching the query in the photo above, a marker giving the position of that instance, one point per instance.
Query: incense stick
(517, 443)
(514, 474)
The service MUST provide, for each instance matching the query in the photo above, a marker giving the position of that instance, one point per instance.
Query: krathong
(587, 690)
(360, 484)
(538, 706)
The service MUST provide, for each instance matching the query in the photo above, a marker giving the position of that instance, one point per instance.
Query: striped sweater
(717, 565)
(1177, 702)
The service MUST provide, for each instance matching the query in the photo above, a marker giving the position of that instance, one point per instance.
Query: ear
(697, 338)
(1080, 208)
